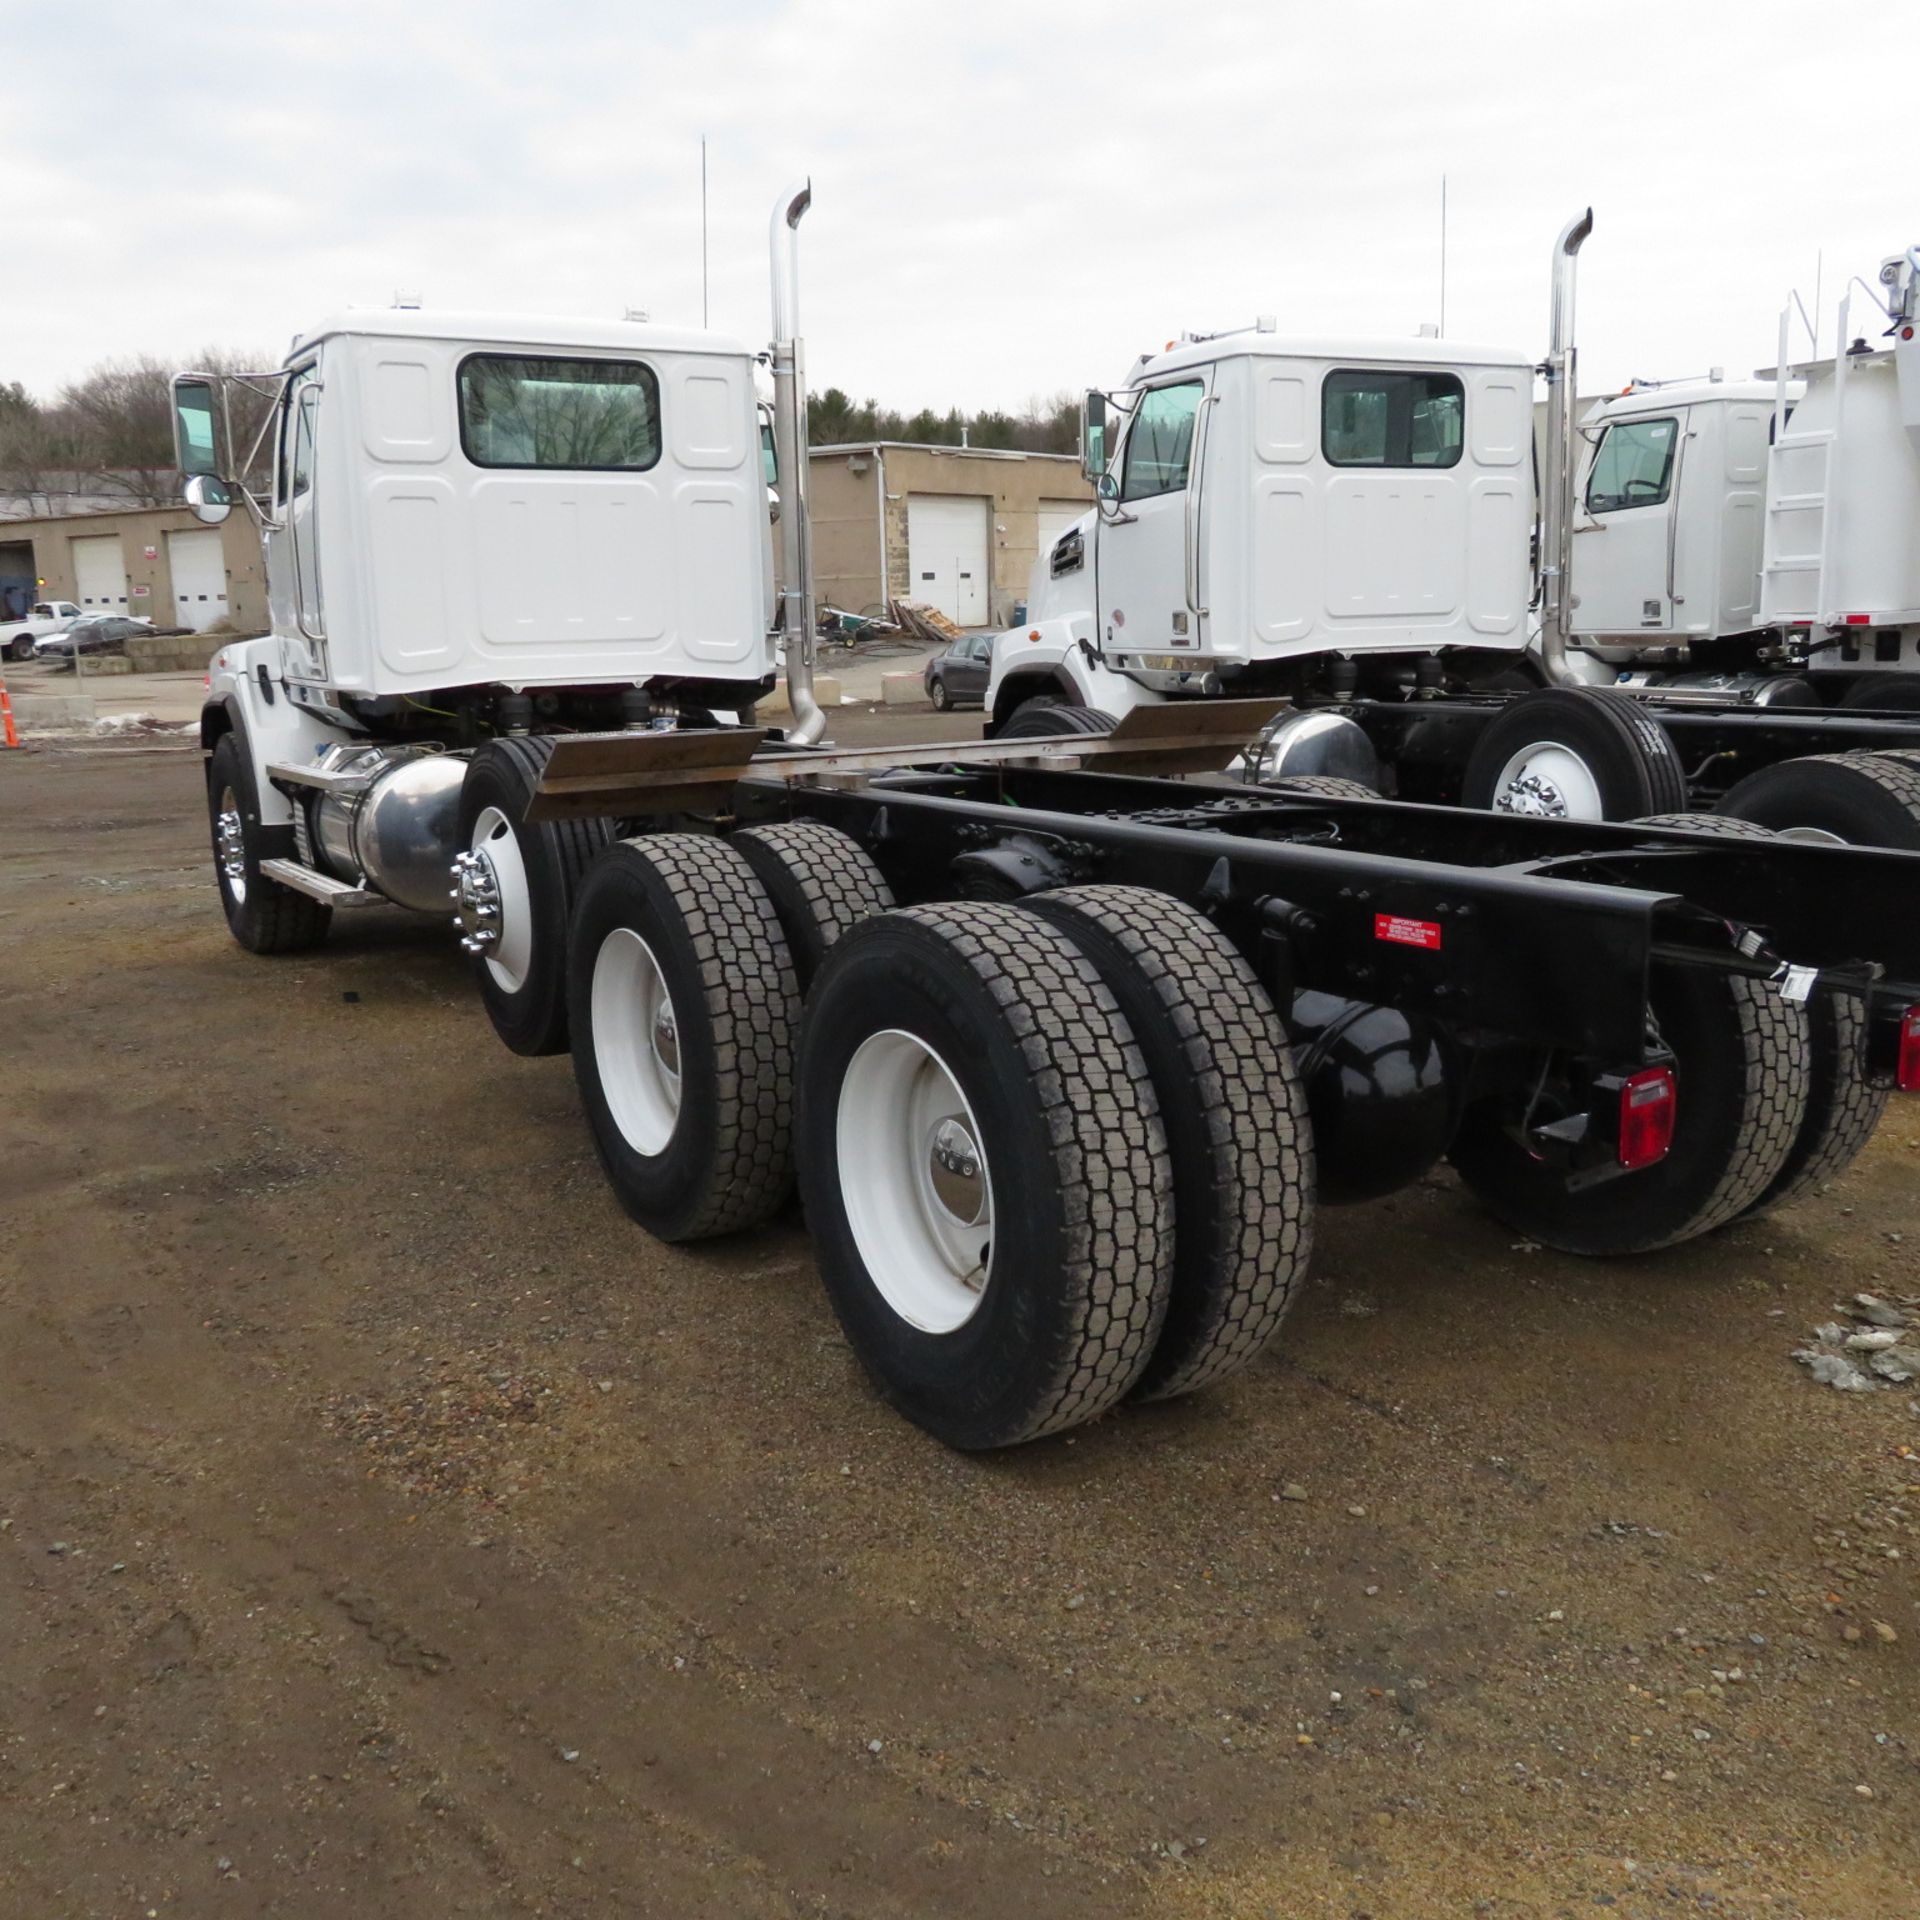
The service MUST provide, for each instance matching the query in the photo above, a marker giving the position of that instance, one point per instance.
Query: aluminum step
(319, 886)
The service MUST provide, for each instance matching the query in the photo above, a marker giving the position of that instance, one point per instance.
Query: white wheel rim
(512, 954)
(232, 831)
(1548, 781)
(915, 1182)
(636, 1041)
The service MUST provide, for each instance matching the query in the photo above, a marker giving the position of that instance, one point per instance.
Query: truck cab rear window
(593, 415)
(1375, 418)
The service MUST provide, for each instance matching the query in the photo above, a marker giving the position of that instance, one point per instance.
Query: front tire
(1574, 753)
(1044, 716)
(1742, 1076)
(984, 1171)
(683, 1012)
(262, 915)
(938, 694)
(528, 872)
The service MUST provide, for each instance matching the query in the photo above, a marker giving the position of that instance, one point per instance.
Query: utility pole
(1443, 255)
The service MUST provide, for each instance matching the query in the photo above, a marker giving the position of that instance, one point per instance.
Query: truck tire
(1319, 786)
(821, 882)
(1842, 1109)
(1045, 715)
(262, 915)
(1897, 692)
(1861, 799)
(20, 647)
(1574, 753)
(1742, 1071)
(537, 867)
(683, 1011)
(985, 1172)
(1238, 1135)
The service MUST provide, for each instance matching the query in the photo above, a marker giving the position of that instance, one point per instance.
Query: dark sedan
(959, 676)
(96, 633)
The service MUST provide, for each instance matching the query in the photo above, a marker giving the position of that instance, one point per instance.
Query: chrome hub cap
(230, 836)
(475, 894)
(492, 906)
(915, 1181)
(1548, 781)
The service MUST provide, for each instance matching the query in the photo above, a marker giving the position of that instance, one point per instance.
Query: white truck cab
(1668, 513)
(1271, 502)
(464, 500)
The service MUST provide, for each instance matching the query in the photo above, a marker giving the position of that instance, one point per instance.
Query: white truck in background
(41, 621)
(1351, 525)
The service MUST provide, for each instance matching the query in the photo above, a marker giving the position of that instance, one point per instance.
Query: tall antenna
(703, 233)
(1819, 261)
(1443, 254)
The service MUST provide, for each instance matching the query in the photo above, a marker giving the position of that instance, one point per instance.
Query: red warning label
(1407, 933)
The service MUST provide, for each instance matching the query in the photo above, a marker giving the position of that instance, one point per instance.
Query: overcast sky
(1011, 196)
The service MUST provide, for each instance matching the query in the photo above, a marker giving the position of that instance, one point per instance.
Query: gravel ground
(387, 1527)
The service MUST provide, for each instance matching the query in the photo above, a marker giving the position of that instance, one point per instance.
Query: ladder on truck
(1803, 499)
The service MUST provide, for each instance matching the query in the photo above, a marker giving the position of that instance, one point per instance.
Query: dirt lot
(392, 1529)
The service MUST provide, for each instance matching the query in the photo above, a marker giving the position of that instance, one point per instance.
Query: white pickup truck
(44, 617)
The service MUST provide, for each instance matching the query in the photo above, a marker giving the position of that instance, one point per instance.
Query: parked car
(92, 633)
(40, 622)
(959, 676)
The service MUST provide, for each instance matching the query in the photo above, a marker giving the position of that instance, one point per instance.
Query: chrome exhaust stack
(1556, 482)
(790, 451)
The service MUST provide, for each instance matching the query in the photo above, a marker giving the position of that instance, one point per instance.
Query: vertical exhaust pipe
(790, 450)
(1556, 483)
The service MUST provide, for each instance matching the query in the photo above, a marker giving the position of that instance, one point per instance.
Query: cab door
(1147, 569)
(1623, 528)
(293, 555)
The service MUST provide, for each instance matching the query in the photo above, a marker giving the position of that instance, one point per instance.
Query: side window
(1380, 418)
(1160, 442)
(584, 415)
(1633, 465)
(295, 466)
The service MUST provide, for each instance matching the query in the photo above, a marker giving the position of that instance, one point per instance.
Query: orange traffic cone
(6, 716)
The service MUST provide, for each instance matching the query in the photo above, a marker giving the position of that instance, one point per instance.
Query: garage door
(1055, 517)
(100, 574)
(199, 569)
(947, 554)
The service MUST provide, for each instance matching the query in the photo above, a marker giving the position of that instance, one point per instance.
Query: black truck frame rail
(1503, 929)
(1719, 742)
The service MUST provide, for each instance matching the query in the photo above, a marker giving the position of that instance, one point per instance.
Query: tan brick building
(957, 527)
(158, 563)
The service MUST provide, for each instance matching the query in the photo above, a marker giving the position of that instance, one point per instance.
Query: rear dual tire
(1742, 1073)
(985, 1172)
(683, 1012)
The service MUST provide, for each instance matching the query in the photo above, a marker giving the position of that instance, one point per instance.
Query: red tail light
(1906, 1072)
(1648, 1104)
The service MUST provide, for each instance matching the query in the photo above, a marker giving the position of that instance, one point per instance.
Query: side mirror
(1093, 435)
(208, 498)
(1107, 489)
(196, 426)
